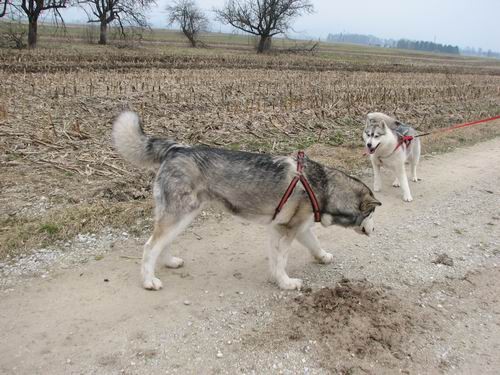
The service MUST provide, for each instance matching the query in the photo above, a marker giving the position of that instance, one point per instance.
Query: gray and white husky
(248, 185)
(381, 135)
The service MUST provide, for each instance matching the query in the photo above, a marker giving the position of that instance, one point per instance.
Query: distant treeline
(371, 40)
(469, 51)
(421, 45)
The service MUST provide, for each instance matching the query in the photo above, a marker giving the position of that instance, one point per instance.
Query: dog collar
(310, 192)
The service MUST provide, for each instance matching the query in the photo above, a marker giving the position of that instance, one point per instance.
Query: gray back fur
(247, 184)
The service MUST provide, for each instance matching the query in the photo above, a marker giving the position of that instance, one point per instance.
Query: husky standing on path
(383, 136)
(248, 185)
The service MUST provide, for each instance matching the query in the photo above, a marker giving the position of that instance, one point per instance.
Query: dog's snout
(369, 145)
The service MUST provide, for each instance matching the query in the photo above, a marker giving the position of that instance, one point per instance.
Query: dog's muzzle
(371, 149)
(367, 226)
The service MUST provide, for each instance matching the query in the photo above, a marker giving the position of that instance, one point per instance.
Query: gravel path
(419, 296)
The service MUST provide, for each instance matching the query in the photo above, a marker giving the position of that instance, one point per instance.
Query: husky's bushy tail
(134, 145)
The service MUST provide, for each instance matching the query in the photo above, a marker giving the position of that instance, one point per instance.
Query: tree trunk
(103, 38)
(264, 43)
(192, 40)
(32, 32)
(191, 36)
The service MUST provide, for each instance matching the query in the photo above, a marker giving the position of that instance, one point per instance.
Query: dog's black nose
(369, 145)
(363, 230)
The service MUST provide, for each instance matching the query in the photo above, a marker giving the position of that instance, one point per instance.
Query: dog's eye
(376, 136)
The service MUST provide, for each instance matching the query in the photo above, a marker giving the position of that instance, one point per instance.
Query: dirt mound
(356, 324)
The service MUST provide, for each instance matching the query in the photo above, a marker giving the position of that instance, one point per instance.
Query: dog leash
(310, 192)
(458, 126)
(409, 138)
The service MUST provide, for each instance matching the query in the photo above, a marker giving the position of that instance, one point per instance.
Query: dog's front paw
(152, 284)
(174, 262)
(416, 179)
(396, 183)
(407, 198)
(290, 284)
(376, 188)
(327, 258)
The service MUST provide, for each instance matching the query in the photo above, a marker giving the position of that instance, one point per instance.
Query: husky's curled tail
(135, 146)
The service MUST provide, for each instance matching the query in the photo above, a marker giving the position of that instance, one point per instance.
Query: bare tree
(33, 9)
(189, 17)
(263, 18)
(124, 12)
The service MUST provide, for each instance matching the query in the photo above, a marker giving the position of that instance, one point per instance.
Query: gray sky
(474, 23)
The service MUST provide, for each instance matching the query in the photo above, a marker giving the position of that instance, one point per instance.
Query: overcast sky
(474, 23)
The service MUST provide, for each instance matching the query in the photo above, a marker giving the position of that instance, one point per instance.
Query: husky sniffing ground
(382, 135)
(248, 185)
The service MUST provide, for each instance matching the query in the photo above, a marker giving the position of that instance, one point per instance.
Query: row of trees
(391, 43)
(420, 45)
(262, 18)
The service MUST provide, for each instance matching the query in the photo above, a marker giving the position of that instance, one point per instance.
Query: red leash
(459, 126)
(307, 187)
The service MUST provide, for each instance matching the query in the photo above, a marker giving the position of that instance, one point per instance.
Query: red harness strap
(406, 139)
(300, 177)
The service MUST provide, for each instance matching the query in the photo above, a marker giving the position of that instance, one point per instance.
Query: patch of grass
(336, 139)
(234, 146)
(24, 233)
(49, 228)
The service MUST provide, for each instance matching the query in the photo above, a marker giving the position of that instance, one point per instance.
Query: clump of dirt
(356, 324)
(444, 259)
(123, 192)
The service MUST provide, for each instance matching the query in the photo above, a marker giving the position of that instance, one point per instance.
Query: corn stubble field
(61, 177)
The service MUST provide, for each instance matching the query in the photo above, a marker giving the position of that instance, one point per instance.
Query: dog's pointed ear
(384, 124)
(369, 203)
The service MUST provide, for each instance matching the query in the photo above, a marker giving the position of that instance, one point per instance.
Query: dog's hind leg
(414, 159)
(167, 227)
(377, 180)
(309, 240)
(281, 239)
(403, 180)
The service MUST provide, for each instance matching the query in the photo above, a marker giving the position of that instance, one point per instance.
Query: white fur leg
(149, 257)
(166, 229)
(413, 166)
(290, 284)
(172, 262)
(278, 256)
(415, 157)
(377, 181)
(152, 284)
(310, 241)
(403, 179)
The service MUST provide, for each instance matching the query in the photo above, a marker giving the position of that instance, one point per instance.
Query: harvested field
(57, 106)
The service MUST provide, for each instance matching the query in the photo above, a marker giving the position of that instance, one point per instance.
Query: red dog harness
(300, 177)
(406, 140)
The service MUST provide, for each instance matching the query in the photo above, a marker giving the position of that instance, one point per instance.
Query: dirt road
(419, 296)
